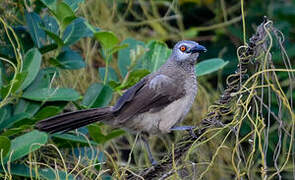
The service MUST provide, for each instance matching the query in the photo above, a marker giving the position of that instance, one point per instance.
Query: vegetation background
(61, 55)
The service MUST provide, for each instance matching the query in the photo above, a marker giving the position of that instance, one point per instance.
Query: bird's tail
(72, 120)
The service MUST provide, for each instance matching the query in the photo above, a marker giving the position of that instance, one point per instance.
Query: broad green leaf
(92, 94)
(20, 78)
(51, 4)
(25, 144)
(55, 38)
(14, 119)
(43, 173)
(97, 95)
(73, 138)
(190, 33)
(96, 134)
(4, 146)
(133, 78)
(209, 66)
(5, 112)
(51, 28)
(104, 98)
(76, 30)
(45, 94)
(42, 80)
(32, 63)
(34, 24)
(118, 47)
(49, 174)
(111, 76)
(156, 56)
(124, 58)
(15, 131)
(30, 107)
(24, 37)
(74, 4)
(64, 14)
(68, 59)
(47, 111)
(47, 48)
(113, 134)
(108, 40)
(50, 24)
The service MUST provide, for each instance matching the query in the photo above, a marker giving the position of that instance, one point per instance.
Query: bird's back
(164, 98)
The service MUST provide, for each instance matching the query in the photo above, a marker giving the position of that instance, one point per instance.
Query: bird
(155, 105)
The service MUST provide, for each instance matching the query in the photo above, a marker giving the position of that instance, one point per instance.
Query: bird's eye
(182, 48)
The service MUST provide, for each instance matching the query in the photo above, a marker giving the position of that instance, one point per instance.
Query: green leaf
(73, 138)
(68, 59)
(76, 30)
(74, 4)
(25, 144)
(42, 80)
(43, 173)
(30, 107)
(107, 39)
(20, 78)
(156, 56)
(15, 131)
(113, 134)
(112, 75)
(24, 37)
(124, 58)
(51, 4)
(34, 24)
(97, 95)
(50, 24)
(190, 33)
(51, 28)
(47, 111)
(96, 134)
(55, 38)
(133, 78)
(209, 66)
(5, 113)
(45, 94)
(64, 14)
(118, 47)
(4, 146)
(14, 119)
(32, 63)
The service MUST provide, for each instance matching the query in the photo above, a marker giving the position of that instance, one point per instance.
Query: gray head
(187, 51)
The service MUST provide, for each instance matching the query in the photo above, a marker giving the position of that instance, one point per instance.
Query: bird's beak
(198, 48)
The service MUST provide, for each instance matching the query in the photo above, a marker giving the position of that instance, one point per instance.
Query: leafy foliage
(35, 52)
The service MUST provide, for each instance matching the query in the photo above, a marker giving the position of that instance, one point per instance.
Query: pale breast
(163, 120)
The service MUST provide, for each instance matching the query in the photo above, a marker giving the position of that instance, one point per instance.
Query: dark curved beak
(198, 48)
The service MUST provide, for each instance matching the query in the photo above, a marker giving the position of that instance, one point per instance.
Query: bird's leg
(190, 129)
(150, 155)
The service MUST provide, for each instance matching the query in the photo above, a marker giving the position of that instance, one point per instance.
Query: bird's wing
(150, 94)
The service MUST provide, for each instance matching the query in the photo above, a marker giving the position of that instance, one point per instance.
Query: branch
(219, 111)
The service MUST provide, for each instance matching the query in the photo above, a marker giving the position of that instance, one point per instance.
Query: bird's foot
(154, 162)
(190, 129)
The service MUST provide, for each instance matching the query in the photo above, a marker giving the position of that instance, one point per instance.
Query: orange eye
(182, 48)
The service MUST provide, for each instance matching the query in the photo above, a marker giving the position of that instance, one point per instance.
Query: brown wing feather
(150, 99)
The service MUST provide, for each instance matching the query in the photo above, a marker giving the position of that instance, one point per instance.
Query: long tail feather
(73, 120)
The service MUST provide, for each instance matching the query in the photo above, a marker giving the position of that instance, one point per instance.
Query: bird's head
(187, 51)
